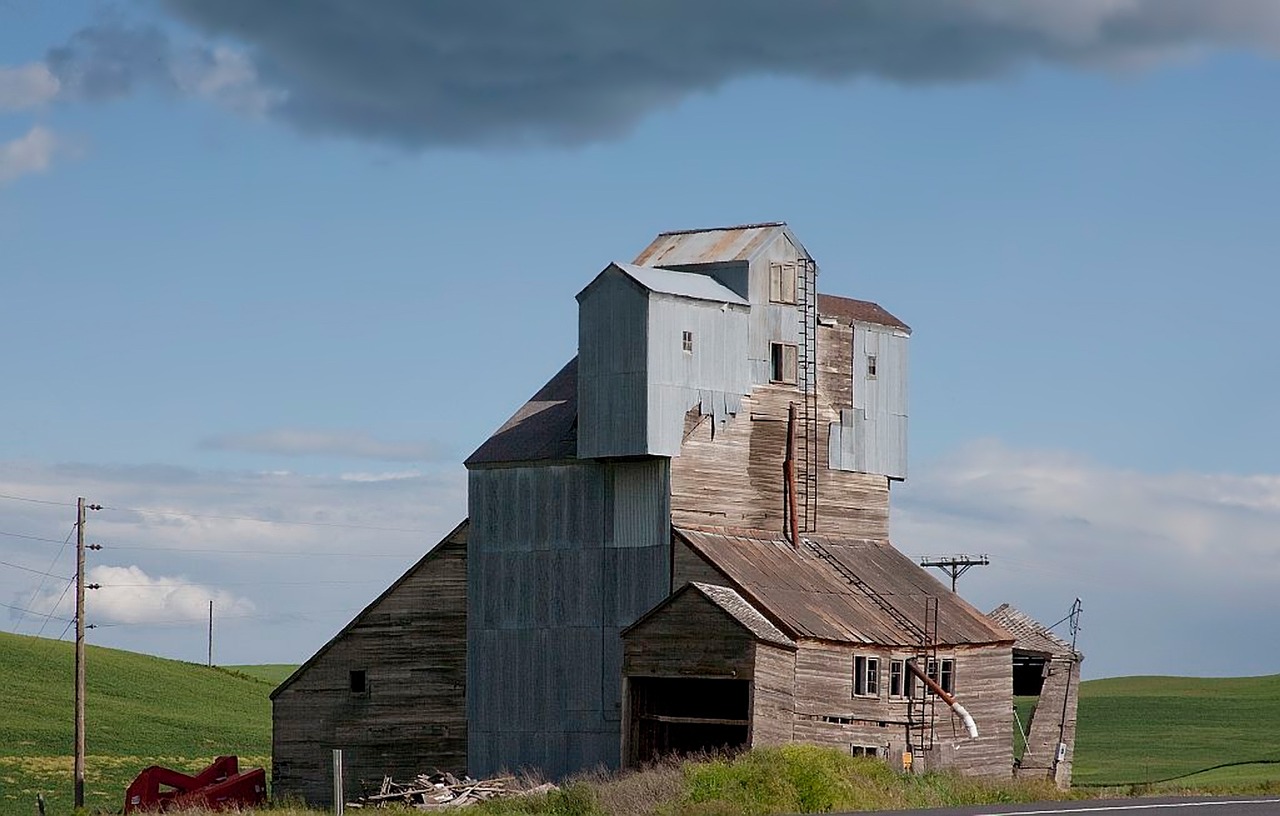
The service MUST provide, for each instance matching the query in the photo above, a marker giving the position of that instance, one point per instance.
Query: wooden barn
(717, 458)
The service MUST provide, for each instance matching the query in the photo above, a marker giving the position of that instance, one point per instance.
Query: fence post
(339, 795)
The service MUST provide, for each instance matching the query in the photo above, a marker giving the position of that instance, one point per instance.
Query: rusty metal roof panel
(714, 245)
(545, 427)
(807, 595)
(1030, 634)
(850, 310)
(684, 284)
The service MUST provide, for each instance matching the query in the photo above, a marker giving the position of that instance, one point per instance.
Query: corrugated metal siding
(872, 438)
(562, 558)
(714, 374)
(612, 364)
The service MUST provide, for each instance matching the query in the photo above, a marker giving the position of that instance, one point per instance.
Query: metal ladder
(879, 600)
(807, 365)
(922, 703)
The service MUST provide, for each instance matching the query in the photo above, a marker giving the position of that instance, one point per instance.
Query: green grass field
(1145, 729)
(139, 711)
(273, 673)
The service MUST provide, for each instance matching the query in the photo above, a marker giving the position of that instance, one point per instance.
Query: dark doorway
(1028, 674)
(684, 716)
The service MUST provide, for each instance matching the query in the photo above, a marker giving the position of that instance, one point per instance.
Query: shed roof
(1032, 636)
(839, 589)
(714, 245)
(850, 310)
(684, 284)
(545, 427)
(733, 604)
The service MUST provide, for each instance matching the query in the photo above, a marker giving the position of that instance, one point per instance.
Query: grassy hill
(1145, 729)
(139, 710)
(273, 673)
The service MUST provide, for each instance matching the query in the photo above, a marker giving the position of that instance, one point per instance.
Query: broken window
(357, 681)
(866, 676)
(686, 341)
(782, 283)
(897, 672)
(782, 367)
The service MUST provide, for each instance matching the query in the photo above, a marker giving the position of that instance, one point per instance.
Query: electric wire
(52, 564)
(29, 611)
(36, 571)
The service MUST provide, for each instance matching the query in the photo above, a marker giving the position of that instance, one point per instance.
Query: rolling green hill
(273, 673)
(1145, 729)
(139, 710)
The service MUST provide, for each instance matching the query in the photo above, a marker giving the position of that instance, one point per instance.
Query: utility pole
(955, 565)
(211, 633)
(79, 693)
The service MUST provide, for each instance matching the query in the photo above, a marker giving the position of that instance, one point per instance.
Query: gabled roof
(683, 284)
(449, 540)
(839, 589)
(731, 603)
(848, 310)
(714, 245)
(1032, 636)
(545, 427)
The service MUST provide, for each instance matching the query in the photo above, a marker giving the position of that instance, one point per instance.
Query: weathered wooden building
(637, 503)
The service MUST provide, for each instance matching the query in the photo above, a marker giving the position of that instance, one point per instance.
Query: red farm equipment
(221, 786)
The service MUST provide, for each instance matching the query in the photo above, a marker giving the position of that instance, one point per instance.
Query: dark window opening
(864, 750)
(945, 675)
(782, 361)
(897, 684)
(357, 681)
(677, 716)
(866, 676)
(1028, 675)
(871, 366)
(686, 341)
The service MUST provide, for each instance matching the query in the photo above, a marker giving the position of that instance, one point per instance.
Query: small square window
(686, 341)
(782, 364)
(357, 681)
(782, 283)
(871, 366)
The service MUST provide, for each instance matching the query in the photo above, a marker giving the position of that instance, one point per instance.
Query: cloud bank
(420, 74)
(348, 444)
(128, 595)
(31, 153)
(1160, 560)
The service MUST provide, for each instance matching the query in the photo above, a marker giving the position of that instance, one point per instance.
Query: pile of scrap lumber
(444, 790)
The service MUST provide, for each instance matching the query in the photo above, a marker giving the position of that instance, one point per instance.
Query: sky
(270, 272)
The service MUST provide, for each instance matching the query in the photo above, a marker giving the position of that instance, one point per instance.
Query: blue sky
(239, 293)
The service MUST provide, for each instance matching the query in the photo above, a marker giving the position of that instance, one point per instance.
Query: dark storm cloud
(424, 72)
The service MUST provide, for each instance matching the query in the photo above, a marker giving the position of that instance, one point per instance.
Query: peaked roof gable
(732, 604)
(1032, 636)
(715, 245)
(545, 427)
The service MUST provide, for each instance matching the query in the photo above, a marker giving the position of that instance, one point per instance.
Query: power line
(256, 552)
(28, 611)
(36, 571)
(65, 589)
(40, 585)
(168, 584)
(36, 501)
(33, 538)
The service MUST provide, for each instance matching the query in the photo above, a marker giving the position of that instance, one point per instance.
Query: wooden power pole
(80, 627)
(210, 664)
(955, 565)
(79, 759)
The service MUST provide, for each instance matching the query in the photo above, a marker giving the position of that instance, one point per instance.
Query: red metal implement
(220, 786)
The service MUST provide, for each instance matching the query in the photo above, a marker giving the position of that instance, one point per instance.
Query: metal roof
(545, 427)
(714, 245)
(806, 591)
(684, 284)
(860, 311)
(733, 605)
(1032, 636)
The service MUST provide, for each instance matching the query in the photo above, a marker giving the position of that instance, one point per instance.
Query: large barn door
(676, 716)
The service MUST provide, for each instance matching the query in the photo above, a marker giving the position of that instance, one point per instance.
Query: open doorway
(679, 716)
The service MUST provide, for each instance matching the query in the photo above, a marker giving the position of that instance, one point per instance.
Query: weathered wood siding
(1053, 722)
(411, 644)
(773, 696)
(828, 713)
(562, 558)
(732, 476)
(690, 637)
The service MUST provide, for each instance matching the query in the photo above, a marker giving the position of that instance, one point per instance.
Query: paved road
(1179, 806)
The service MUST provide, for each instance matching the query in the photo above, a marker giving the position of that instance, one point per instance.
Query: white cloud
(1156, 557)
(26, 86)
(226, 77)
(128, 595)
(32, 153)
(348, 444)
